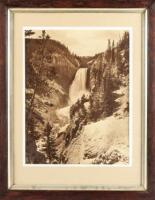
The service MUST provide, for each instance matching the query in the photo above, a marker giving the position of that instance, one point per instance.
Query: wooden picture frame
(6, 193)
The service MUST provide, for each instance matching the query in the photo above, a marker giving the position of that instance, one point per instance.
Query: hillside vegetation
(95, 128)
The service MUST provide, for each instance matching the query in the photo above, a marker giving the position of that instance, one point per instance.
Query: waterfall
(76, 91)
(78, 86)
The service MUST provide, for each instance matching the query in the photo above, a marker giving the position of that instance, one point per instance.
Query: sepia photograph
(77, 96)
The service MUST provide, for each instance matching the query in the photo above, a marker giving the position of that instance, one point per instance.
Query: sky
(83, 42)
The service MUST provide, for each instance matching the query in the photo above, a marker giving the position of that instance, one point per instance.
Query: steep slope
(102, 135)
(57, 58)
(50, 69)
(100, 143)
(95, 128)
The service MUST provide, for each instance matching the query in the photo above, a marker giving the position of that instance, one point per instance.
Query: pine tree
(50, 145)
(108, 52)
(37, 83)
(122, 59)
(113, 52)
(108, 100)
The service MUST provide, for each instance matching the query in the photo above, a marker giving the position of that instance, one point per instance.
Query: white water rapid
(78, 86)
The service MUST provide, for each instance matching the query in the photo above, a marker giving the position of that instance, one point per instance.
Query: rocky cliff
(84, 135)
(50, 69)
(98, 130)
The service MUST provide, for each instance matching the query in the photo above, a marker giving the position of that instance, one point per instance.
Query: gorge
(80, 106)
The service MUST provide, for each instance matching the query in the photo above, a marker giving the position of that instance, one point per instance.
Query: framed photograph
(74, 84)
(76, 109)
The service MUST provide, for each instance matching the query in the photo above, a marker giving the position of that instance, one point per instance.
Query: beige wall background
(99, 177)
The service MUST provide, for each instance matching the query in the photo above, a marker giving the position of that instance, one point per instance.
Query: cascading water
(78, 86)
(76, 91)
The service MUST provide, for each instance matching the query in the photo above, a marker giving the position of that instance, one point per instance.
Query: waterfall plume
(78, 86)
